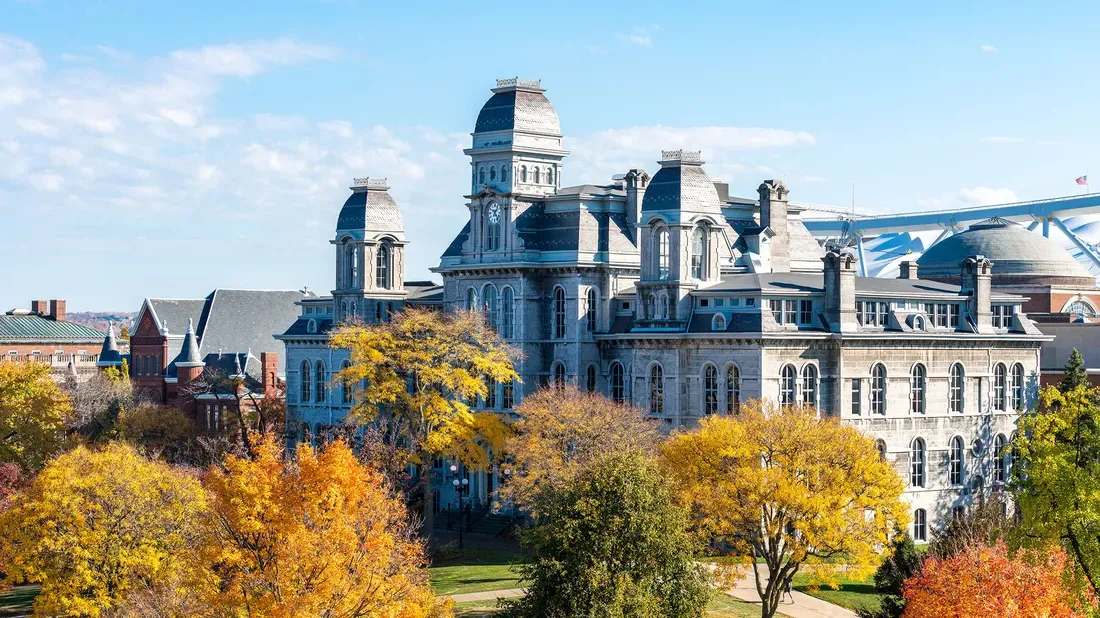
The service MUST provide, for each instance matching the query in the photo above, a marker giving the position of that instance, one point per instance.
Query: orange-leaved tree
(315, 535)
(984, 581)
(421, 370)
(799, 491)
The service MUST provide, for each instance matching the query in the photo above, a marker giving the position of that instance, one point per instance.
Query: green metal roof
(35, 328)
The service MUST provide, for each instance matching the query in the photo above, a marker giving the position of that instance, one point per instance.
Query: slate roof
(518, 110)
(173, 313)
(811, 283)
(301, 326)
(683, 187)
(109, 354)
(372, 209)
(29, 328)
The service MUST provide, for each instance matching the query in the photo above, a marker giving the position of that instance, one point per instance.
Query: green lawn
(853, 594)
(721, 606)
(17, 601)
(475, 570)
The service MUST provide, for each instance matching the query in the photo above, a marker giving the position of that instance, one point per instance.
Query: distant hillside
(99, 319)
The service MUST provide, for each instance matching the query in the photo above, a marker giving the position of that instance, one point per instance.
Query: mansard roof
(518, 105)
(682, 186)
(33, 327)
(370, 208)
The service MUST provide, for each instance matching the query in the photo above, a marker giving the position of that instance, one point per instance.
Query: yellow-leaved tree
(318, 535)
(33, 414)
(96, 526)
(420, 370)
(798, 491)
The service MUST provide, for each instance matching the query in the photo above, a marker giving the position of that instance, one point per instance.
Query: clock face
(494, 213)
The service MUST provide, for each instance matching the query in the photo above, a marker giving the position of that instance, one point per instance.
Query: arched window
(956, 460)
(490, 393)
(504, 173)
(916, 464)
(920, 525)
(322, 383)
(507, 394)
(662, 253)
(665, 313)
(698, 253)
(537, 178)
(311, 326)
(809, 385)
(733, 389)
(1000, 387)
(378, 312)
(1000, 459)
(382, 268)
(507, 314)
(880, 446)
(656, 390)
(652, 313)
(351, 264)
(471, 299)
(718, 322)
(918, 384)
(1079, 307)
(549, 175)
(710, 389)
(307, 375)
(1017, 387)
(558, 322)
(618, 382)
(878, 389)
(489, 303)
(494, 222)
(591, 308)
(558, 373)
(492, 173)
(523, 173)
(787, 386)
(347, 386)
(590, 379)
(955, 388)
(481, 175)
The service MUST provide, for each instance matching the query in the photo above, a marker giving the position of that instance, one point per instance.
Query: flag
(1083, 180)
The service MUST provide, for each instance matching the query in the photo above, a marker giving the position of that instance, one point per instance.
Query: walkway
(804, 605)
(488, 595)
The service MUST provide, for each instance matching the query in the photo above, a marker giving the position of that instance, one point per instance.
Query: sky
(154, 149)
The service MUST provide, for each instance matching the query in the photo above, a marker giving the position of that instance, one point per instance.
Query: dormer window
(718, 322)
(311, 326)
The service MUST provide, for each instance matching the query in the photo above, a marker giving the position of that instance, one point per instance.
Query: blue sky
(156, 149)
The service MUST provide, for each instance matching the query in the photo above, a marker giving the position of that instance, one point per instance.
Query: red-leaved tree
(984, 581)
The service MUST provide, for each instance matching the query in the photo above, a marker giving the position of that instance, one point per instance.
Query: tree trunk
(427, 515)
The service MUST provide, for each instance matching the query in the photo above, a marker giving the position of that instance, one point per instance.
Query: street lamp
(462, 487)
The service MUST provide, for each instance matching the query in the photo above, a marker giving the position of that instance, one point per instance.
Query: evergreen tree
(903, 563)
(1074, 375)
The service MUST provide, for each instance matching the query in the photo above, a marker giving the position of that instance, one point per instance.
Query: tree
(1074, 374)
(984, 524)
(984, 581)
(94, 526)
(98, 402)
(560, 431)
(33, 414)
(423, 369)
(317, 537)
(903, 562)
(162, 431)
(256, 414)
(791, 488)
(611, 541)
(1057, 479)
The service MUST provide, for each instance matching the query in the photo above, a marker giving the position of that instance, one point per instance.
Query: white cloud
(65, 156)
(36, 126)
(341, 128)
(249, 59)
(46, 181)
(985, 196)
(989, 49)
(182, 117)
(642, 36)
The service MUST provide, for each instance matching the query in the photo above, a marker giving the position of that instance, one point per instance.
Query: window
(805, 312)
(591, 307)
(870, 310)
(507, 394)
(493, 225)
(307, 375)
(507, 314)
(1000, 387)
(955, 388)
(618, 394)
(956, 456)
(590, 379)
(503, 173)
(787, 386)
(920, 525)
(347, 388)
(1017, 387)
(662, 253)
(777, 311)
(953, 316)
(492, 173)
(558, 375)
(880, 446)
(790, 312)
(809, 385)
(857, 396)
(382, 269)
(490, 393)
(311, 326)
(710, 389)
(537, 176)
(559, 313)
(1000, 459)
(918, 381)
(656, 390)
(733, 389)
(1079, 307)
(322, 383)
(916, 464)
(489, 303)
(698, 253)
(1002, 315)
(471, 299)
(351, 264)
(523, 173)
(718, 322)
(481, 175)
(878, 390)
(549, 175)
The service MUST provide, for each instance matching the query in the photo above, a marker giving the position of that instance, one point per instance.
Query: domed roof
(518, 105)
(1013, 250)
(370, 208)
(681, 185)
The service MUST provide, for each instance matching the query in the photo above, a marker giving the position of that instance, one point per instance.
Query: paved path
(488, 595)
(804, 605)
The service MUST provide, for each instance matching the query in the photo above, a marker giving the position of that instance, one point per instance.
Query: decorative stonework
(684, 156)
(370, 183)
(516, 82)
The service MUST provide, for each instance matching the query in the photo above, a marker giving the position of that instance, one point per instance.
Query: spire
(237, 365)
(109, 356)
(189, 353)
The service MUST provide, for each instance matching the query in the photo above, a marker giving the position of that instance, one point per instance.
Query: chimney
(773, 215)
(840, 292)
(977, 275)
(636, 181)
(39, 307)
(269, 361)
(907, 269)
(57, 310)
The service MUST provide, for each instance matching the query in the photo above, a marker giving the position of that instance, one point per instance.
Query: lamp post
(462, 487)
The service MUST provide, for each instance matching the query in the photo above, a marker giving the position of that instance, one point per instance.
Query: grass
(721, 606)
(17, 601)
(475, 570)
(853, 594)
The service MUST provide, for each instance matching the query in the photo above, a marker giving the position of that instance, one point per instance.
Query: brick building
(43, 334)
